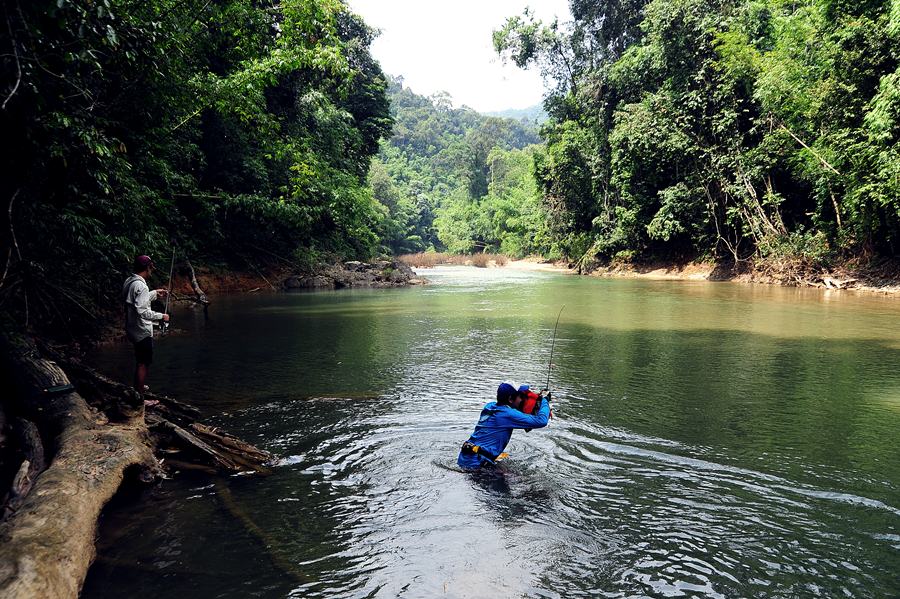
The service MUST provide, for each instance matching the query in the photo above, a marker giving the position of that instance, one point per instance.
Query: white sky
(441, 45)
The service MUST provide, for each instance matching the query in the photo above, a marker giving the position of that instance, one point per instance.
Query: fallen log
(223, 439)
(833, 283)
(198, 292)
(102, 391)
(47, 545)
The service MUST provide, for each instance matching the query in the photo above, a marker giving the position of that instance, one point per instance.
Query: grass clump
(430, 259)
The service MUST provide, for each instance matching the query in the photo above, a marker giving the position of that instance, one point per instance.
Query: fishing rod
(165, 325)
(552, 344)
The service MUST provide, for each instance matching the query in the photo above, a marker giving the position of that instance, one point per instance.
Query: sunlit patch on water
(289, 460)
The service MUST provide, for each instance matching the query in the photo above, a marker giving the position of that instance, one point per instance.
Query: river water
(709, 439)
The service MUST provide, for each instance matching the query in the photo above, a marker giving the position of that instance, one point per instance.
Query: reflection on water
(710, 439)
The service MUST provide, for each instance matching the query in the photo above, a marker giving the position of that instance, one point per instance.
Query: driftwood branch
(191, 299)
(201, 295)
(288, 567)
(224, 456)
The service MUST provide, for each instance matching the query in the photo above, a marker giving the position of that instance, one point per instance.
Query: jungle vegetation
(453, 179)
(237, 130)
(249, 132)
(739, 130)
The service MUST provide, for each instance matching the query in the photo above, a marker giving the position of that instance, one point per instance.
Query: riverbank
(541, 265)
(882, 278)
(214, 280)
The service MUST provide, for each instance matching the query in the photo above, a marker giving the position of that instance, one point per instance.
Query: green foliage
(231, 129)
(737, 129)
(456, 180)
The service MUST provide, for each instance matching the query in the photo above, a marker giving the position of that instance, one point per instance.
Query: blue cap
(524, 388)
(506, 391)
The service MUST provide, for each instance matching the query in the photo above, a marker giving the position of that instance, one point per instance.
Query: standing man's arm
(142, 299)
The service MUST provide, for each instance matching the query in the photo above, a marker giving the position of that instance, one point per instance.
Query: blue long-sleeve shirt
(494, 430)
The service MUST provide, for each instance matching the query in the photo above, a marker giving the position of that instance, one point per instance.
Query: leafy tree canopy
(736, 130)
(236, 130)
(445, 172)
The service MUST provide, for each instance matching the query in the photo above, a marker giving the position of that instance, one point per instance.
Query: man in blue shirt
(496, 424)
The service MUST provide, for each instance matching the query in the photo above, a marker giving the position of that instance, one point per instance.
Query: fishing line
(552, 344)
(165, 325)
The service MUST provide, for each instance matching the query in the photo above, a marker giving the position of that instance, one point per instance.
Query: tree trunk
(47, 545)
(201, 296)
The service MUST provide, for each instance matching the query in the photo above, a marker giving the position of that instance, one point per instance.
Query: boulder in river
(309, 282)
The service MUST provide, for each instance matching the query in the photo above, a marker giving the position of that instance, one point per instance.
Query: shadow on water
(697, 449)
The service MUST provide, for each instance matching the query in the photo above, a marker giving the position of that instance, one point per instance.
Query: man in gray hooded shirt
(139, 317)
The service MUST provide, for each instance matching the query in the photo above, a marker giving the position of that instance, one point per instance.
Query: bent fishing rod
(552, 344)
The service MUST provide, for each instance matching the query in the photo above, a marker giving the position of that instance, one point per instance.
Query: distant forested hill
(532, 114)
(455, 179)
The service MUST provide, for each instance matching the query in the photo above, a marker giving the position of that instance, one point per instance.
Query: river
(709, 439)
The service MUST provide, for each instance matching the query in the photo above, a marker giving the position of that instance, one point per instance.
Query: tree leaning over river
(749, 129)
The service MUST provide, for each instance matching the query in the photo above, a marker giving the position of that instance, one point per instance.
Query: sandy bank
(882, 279)
(533, 264)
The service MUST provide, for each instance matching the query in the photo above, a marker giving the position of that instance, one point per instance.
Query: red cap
(142, 263)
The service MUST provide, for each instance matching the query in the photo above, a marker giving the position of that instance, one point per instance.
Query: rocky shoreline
(340, 275)
(378, 274)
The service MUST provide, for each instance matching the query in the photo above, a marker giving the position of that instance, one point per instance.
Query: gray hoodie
(138, 315)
